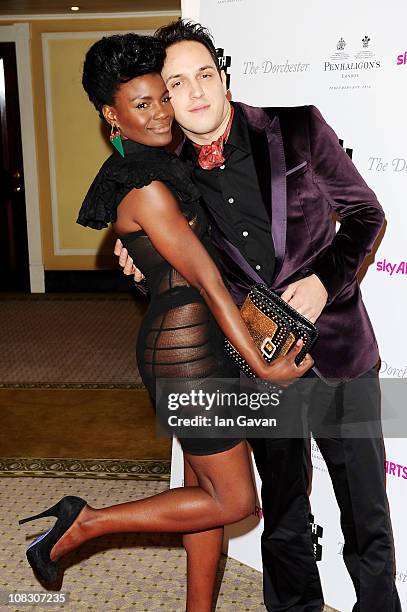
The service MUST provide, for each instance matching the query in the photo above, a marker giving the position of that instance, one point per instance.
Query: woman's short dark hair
(116, 59)
(181, 30)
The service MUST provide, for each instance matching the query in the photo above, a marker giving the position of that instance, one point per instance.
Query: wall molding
(75, 16)
(58, 467)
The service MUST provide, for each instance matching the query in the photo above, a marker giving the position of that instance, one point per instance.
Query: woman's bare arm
(155, 210)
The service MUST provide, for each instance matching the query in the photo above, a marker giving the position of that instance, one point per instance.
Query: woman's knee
(248, 502)
(240, 506)
(228, 480)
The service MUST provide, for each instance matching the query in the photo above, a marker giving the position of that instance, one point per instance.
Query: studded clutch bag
(275, 327)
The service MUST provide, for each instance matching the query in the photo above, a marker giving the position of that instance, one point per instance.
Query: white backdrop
(350, 60)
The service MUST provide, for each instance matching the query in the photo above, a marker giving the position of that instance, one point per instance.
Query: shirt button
(231, 200)
(245, 234)
(258, 267)
(222, 167)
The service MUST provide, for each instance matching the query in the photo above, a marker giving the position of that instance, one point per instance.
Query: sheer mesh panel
(178, 344)
(178, 337)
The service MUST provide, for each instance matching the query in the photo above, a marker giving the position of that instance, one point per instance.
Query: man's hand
(308, 296)
(126, 262)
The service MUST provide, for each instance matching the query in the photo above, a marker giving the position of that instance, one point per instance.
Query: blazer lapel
(261, 159)
(269, 159)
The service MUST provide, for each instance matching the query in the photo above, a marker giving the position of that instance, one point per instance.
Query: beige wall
(73, 128)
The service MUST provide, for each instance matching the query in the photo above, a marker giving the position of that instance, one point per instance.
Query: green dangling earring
(115, 138)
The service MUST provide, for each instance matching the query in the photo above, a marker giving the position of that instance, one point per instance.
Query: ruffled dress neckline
(118, 175)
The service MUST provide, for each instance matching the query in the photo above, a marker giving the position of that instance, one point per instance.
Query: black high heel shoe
(38, 552)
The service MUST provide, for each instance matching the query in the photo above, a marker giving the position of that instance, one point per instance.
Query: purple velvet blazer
(300, 162)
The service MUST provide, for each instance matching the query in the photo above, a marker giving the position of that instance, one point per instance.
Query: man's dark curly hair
(116, 59)
(181, 30)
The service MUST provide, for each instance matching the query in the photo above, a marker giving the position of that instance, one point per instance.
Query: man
(271, 180)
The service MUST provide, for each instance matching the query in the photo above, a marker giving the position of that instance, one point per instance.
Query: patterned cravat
(211, 155)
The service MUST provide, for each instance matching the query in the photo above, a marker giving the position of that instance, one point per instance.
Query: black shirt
(232, 195)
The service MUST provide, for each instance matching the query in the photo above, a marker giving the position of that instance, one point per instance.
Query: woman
(149, 197)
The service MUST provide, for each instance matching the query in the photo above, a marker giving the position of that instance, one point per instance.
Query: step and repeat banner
(350, 60)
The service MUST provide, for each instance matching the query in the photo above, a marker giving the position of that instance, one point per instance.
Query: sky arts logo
(258, 511)
(402, 59)
(391, 268)
(395, 469)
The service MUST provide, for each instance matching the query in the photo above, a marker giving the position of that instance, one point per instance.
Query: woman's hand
(126, 262)
(284, 370)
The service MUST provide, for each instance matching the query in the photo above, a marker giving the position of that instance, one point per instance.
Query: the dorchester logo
(271, 67)
(377, 163)
(387, 370)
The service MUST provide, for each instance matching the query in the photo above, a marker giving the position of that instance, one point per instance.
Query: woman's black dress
(179, 337)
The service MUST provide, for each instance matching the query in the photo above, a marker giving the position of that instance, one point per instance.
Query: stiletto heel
(38, 552)
(50, 512)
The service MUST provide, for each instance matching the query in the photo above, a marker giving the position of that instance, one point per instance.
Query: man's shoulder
(284, 113)
(288, 110)
(295, 124)
(291, 118)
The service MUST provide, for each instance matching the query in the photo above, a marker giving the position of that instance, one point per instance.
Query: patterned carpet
(69, 341)
(140, 573)
(50, 343)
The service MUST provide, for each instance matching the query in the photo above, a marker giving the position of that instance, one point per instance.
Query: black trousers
(336, 415)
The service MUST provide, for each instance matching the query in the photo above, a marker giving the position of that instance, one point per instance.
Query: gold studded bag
(274, 325)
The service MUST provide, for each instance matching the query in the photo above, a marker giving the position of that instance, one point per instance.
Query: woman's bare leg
(203, 550)
(225, 495)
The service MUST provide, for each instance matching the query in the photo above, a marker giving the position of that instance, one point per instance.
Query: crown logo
(341, 44)
(365, 42)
